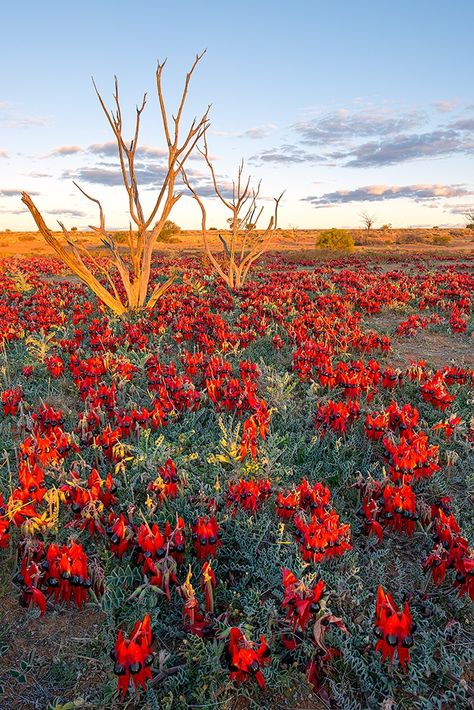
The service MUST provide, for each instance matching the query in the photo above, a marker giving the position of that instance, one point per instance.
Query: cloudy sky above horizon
(348, 106)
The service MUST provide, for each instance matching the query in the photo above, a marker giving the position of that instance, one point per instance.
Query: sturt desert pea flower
(102, 489)
(391, 378)
(66, 573)
(134, 656)
(376, 425)
(287, 504)
(246, 658)
(412, 457)
(165, 485)
(434, 391)
(248, 494)
(404, 418)
(321, 537)
(449, 426)
(315, 499)
(55, 366)
(371, 512)
(29, 579)
(107, 441)
(451, 551)
(393, 629)
(399, 508)
(11, 401)
(256, 424)
(336, 416)
(120, 534)
(456, 375)
(46, 419)
(206, 537)
(300, 601)
(175, 539)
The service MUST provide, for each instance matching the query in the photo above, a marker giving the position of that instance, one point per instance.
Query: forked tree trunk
(134, 270)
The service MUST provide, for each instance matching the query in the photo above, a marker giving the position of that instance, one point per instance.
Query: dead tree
(368, 220)
(134, 267)
(246, 242)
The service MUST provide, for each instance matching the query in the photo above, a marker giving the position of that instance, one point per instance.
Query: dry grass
(298, 241)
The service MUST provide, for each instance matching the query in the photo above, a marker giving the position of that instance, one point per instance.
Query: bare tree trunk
(246, 244)
(134, 271)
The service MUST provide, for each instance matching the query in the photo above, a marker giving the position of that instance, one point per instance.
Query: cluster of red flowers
(393, 629)
(248, 495)
(450, 551)
(60, 572)
(435, 392)
(392, 507)
(415, 322)
(11, 400)
(133, 656)
(318, 531)
(246, 658)
(300, 601)
(336, 416)
(165, 485)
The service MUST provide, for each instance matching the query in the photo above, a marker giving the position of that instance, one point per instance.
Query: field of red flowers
(259, 499)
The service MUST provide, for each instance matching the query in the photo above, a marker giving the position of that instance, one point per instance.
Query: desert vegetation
(252, 497)
(236, 462)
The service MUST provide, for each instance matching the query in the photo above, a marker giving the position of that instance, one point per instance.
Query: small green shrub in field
(335, 239)
(167, 234)
(441, 239)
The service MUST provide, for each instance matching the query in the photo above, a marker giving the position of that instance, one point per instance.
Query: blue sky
(348, 105)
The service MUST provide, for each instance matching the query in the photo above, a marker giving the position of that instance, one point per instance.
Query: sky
(347, 105)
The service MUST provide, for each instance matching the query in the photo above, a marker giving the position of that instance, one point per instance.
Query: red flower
(134, 656)
(300, 601)
(29, 579)
(287, 504)
(246, 658)
(206, 537)
(165, 484)
(399, 508)
(55, 365)
(393, 629)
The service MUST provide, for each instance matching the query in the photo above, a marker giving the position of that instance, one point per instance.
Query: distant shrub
(336, 240)
(26, 238)
(386, 227)
(169, 231)
(166, 235)
(441, 239)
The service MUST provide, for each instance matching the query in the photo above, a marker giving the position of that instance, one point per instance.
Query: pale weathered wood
(134, 269)
(246, 243)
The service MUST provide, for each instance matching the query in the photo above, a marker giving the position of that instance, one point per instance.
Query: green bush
(335, 239)
(441, 239)
(166, 235)
(169, 231)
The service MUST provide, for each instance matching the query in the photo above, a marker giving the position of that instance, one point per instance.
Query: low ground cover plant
(239, 499)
